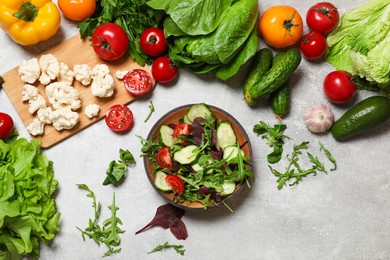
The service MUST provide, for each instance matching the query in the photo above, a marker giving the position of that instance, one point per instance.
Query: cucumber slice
(186, 155)
(225, 135)
(186, 120)
(160, 181)
(230, 153)
(228, 187)
(198, 110)
(166, 135)
(197, 167)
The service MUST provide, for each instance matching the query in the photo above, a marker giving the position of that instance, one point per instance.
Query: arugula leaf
(151, 110)
(107, 234)
(329, 156)
(117, 170)
(178, 248)
(275, 139)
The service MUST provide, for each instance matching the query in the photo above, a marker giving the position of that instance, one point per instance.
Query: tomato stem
(105, 45)
(325, 10)
(288, 24)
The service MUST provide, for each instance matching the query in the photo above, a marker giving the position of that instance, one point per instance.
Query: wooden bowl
(172, 117)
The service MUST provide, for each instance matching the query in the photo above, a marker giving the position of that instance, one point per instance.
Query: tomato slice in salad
(138, 82)
(164, 158)
(182, 129)
(176, 182)
(119, 118)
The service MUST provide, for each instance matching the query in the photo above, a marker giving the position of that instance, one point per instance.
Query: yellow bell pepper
(28, 22)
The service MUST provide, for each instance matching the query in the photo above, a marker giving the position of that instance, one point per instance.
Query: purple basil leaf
(217, 155)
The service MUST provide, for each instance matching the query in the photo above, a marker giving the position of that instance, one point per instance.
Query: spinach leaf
(117, 170)
(194, 17)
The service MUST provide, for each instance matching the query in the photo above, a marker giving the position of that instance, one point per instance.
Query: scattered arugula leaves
(107, 234)
(329, 156)
(178, 248)
(151, 110)
(117, 170)
(294, 171)
(275, 139)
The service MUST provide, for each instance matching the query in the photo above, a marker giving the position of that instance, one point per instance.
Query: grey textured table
(342, 215)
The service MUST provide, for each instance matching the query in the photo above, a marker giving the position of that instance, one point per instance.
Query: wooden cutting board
(71, 52)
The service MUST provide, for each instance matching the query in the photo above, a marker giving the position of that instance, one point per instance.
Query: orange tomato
(77, 10)
(281, 26)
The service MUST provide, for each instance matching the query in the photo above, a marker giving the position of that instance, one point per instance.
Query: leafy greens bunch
(210, 35)
(28, 212)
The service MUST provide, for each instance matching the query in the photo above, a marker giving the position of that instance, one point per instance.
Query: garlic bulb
(318, 118)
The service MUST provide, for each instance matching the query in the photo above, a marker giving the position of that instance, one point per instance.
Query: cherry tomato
(339, 87)
(176, 182)
(77, 10)
(110, 41)
(313, 45)
(181, 129)
(281, 26)
(164, 159)
(119, 118)
(153, 42)
(138, 82)
(322, 17)
(6, 125)
(164, 70)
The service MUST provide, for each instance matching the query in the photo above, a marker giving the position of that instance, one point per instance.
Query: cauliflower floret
(92, 110)
(44, 115)
(50, 68)
(29, 71)
(64, 118)
(36, 103)
(120, 74)
(66, 74)
(29, 92)
(103, 83)
(36, 127)
(83, 73)
(60, 95)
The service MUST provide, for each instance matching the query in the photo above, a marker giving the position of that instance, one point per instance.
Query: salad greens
(107, 234)
(361, 43)
(117, 170)
(28, 212)
(178, 248)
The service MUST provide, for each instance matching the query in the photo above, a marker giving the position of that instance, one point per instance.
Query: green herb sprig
(178, 248)
(151, 110)
(117, 170)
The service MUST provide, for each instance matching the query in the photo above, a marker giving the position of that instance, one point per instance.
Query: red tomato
(6, 125)
(164, 158)
(176, 182)
(138, 82)
(77, 10)
(110, 41)
(182, 129)
(153, 42)
(338, 86)
(313, 45)
(164, 70)
(322, 17)
(119, 118)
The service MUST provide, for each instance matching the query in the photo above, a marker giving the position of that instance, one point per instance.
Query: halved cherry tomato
(181, 129)
(176, 182)
(153, 42)
(6, 125)
(164, 70)
(164, 158)
(138, 82)
(77, 10)
(313, 45)
(281, 26)
(322, 17)
(339, 87)
(119, 118)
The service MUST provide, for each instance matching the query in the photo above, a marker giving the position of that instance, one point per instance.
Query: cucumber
(230, 153)
(283, 66)
(186, 155)
(228, 187)
(260, 64)
(363, 117)
(166, 135)
(225, 135)
(198, 110)
(161, 183)
(280, 100)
